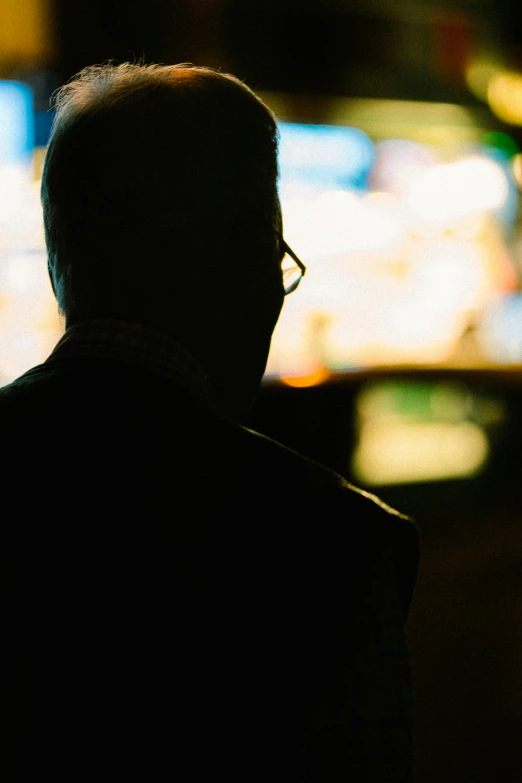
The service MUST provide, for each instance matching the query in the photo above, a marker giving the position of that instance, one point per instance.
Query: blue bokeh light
(332, 157)
(16, 123)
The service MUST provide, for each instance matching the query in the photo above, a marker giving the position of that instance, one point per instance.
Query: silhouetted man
(188, 599)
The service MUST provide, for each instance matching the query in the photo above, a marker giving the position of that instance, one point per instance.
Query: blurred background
(398, 362)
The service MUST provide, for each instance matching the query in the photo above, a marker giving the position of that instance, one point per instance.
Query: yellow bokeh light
(420, 431)
(408, 452)
(517, 169)
(27, 33)
(479, 73)
(505, 96)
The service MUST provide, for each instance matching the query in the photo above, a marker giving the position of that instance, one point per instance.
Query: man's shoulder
(34, 381)
(333, 508)
(277, 457)
(25, 390)
(305, 478)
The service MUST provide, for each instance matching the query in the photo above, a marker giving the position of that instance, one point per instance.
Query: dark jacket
(188, 599)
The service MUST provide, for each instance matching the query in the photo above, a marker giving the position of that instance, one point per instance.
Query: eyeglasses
(293, 269)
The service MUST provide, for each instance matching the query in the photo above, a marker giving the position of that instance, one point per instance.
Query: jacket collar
(135, 344)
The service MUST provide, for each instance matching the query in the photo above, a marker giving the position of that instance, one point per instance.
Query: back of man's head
(151, 174)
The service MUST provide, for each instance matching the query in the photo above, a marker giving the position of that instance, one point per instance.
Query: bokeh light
(412, 432)
(402, 267)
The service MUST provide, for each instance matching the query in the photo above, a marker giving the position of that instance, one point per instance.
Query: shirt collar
(139, 345)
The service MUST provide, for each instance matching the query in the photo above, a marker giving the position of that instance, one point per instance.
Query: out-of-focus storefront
(407, 218)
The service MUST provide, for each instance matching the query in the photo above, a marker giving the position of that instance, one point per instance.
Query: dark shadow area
(465, 623)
